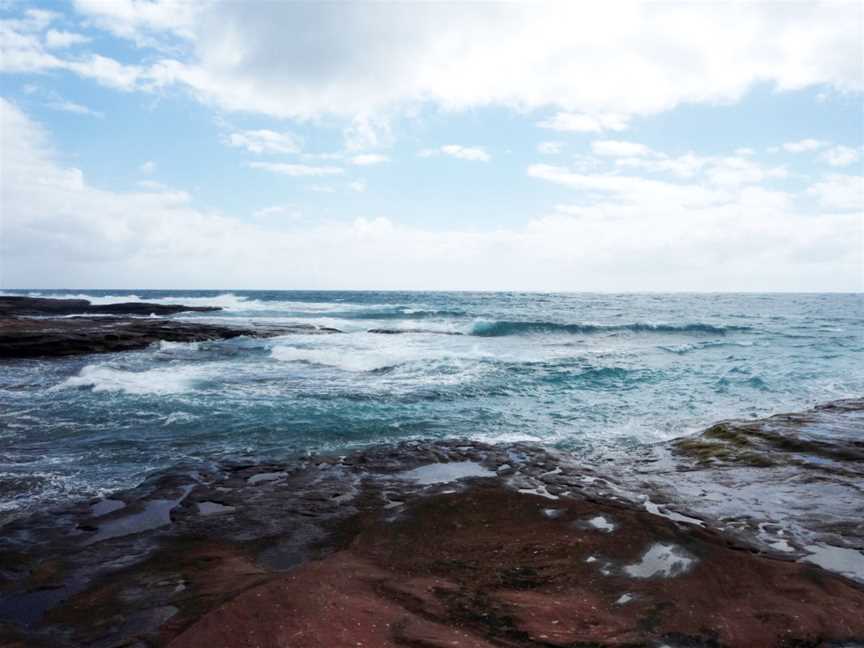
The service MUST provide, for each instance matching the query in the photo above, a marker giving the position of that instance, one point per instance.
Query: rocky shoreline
(417, 544)
(720, 539)
(41, 327)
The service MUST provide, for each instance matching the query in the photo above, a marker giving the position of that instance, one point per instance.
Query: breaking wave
(501, 328)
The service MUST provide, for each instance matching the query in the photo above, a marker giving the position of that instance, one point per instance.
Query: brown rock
(487, 567)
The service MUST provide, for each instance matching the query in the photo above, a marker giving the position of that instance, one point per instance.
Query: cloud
(274, 212)
(732, 170)
(147, 23)
(55, 39)
(357, 185)
(683, 166)
(580, 123)
(841, 192)
(265, 141)
(550, 148)
(633, 234)
(472, 153)
(729, 170)
(367, 132)
(147, 167)
(840, 155)
(55, 101)
(617, 148)
(64, 105)
(804, 145)
(368, 159)
(305, 60)
(297, 170)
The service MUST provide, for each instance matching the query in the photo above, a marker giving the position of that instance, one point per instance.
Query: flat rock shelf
(40, 327)
(452, 543)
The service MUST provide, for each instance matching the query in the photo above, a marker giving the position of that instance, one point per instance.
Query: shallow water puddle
(441, 473)
(260, 478)
(106, 506)
(156, 513)
(214, 508)
(848, 562)
(653, 508)
(602, 523)
(663, 560)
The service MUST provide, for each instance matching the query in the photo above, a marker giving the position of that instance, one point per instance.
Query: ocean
(601, 376)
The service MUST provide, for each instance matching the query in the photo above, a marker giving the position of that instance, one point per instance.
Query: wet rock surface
(33, 338)
(418, 544)
(15, 306)
(40, 327)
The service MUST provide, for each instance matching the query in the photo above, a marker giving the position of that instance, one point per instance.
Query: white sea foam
(340, 359)
(229, 302)
(165, 345)
(368, 352)
(103, 378)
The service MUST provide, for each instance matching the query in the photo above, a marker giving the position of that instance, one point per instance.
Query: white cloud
(357, 185)
(840, 155)
(732, 170)
(617, 148)
(297, 170)
(628, 189)
(306, 60)
(369, 158)
(367, 132)
(55, 101)
(580, 123)
(682, 166)
(55, 39)
(64, 105)
(550, 148)
(22, 50)
(472, 153)
(619, 233)
(281, 212)
(843, 192)
(147, 167)
(804, 145)
(147, 22)
(265, 141)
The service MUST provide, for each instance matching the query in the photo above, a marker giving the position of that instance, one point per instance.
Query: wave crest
(501, 328)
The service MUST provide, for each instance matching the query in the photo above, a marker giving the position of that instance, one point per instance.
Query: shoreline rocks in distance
(38, 327)
(19, 306)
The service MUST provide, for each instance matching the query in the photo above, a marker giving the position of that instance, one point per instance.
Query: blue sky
(152, 144)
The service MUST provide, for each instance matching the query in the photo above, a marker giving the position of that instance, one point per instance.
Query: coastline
(435, 542)
(721, 538)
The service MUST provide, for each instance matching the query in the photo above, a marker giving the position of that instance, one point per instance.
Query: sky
(596, 146)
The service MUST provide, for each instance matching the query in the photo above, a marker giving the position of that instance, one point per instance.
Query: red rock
(487, 568)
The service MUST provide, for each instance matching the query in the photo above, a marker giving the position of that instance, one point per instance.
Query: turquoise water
(589, 373)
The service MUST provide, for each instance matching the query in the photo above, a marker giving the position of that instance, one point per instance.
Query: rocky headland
(33, 327)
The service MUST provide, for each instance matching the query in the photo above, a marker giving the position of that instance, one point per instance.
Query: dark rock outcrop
(33, 338)
(20, 306)
(33, 327)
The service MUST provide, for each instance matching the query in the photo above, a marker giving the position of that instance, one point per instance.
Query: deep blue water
(587, 372)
